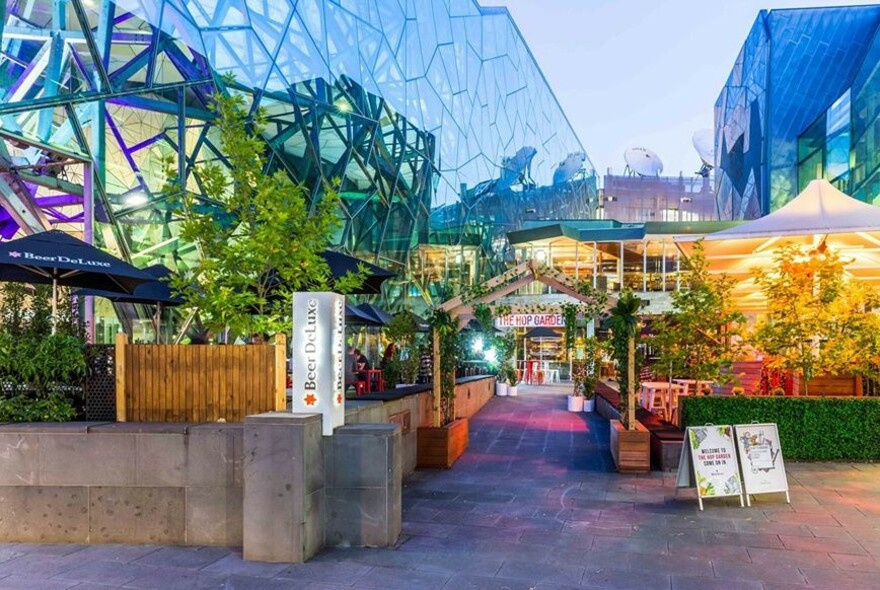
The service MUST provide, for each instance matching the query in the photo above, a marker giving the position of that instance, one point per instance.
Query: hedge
(810, 428)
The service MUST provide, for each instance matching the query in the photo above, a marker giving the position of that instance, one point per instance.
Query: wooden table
(650, 388)
(692, 386)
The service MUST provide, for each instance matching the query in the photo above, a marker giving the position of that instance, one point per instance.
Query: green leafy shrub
(810, 428)
(41, 374)
(55, 407)
(38, 365)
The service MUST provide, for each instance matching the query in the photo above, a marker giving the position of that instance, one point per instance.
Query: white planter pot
(511, 390)
(575, 403)
(589, 405)
(501, 389)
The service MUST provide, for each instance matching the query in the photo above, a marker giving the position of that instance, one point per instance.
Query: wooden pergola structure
(462, 309)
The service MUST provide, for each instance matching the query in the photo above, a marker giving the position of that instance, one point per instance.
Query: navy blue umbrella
(155, 292)
(354, 316)
(380, 316)
(56, 258)
(340, 264)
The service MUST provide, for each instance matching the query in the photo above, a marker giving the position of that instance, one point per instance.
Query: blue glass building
(800, 103)
(430, 114)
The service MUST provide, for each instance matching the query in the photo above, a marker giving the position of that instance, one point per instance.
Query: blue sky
(639, 72)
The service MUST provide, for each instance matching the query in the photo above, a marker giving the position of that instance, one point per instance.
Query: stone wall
(471, 395)
(84, 482)
(272, 485)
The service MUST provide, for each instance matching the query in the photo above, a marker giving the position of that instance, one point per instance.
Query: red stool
(375, 376)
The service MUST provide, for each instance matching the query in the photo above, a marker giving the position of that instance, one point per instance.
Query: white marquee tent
(820, 217)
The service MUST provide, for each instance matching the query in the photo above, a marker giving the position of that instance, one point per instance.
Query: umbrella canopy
(354, 316)
(819, 217)
(340, 264)
(56, 257)
(149, 293)
(377, 314)
(475, 326)
(543, 332)
(420, 322)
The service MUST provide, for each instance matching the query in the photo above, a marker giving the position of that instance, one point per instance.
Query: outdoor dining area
(662, 397)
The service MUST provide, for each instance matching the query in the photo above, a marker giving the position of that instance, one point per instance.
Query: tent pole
(89, 231)
(54, 304)
(157, 322)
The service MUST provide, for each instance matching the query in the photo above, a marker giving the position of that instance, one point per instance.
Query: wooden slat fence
(198, 383)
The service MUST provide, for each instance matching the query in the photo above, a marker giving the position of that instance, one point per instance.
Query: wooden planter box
(631, 449)
(846, 385)
(441, 447)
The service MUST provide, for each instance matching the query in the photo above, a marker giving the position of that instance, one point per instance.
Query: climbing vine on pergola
(450, 317)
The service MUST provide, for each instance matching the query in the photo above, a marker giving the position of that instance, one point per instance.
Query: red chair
(533, 373)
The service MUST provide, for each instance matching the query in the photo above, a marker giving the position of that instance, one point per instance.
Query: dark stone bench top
(118, 427)
(669, 435)
(394, 394)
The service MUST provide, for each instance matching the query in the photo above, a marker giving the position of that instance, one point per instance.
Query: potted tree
(699, 338)
(502, 387)
(441, 444)
(512, 381)
(818, 322)
(629, 439)
(576, 399)
(586, 373)
(504, 345)
(402, 369)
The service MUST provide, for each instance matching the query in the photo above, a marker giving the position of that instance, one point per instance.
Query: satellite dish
(704, 143)
(517, 169)
(642, 161)
(570, 166)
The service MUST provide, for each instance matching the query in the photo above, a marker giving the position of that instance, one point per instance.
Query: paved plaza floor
(534, 504)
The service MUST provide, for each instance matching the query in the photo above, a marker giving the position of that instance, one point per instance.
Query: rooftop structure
(658, 198)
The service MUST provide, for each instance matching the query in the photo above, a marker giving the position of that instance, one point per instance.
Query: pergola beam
(498, 287)
(500, 292)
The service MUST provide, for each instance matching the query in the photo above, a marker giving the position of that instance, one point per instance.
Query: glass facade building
(430, 115)
(800, 103)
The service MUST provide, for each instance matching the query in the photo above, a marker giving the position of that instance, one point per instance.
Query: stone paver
(534, 504)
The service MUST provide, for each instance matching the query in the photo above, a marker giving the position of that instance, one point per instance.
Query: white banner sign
(760, 455)
(709, 451)
(317, 357)
(530, 320)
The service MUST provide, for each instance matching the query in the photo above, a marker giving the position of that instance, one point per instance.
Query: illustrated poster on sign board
(760, 453)
(712, 455)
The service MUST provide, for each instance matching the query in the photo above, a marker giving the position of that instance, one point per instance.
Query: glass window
(837, 156)
(838, 115)
(812, 139)
(809, 169)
